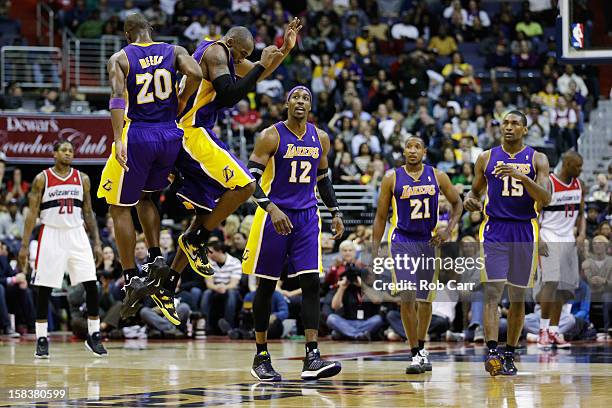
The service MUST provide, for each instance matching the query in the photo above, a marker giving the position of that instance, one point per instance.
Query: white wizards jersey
(559, 217)
(62, 200)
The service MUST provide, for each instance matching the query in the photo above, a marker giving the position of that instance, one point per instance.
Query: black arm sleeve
(257, 170)
(230, 92)
(326, 191)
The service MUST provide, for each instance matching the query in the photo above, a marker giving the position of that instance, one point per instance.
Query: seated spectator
(592, 219)
(474, 12)
(166, 245)
(456, 68)
(237, 245)
(354, 317)
(581, 303)
(443, 43)
(563, 120)
(221, 296)
(366, 137)
(156, 16)
(13, 100)
(598, 273)
(11, 222)
(92, 27)
(548, 97)
(404, 29)
(49, 102)
(128, 8)
(198, 29)
(530, 27)
(467, 152)
(109, 266)
(17, 188)
(524, 58)
(364, 157)
(538, 126)
(248, 119)
(378, 30)
(599, 192)
(563, 82)
(346, 172)
(18, 295)
(466, 176)
(141, 253)
(5, 322)
(448, 162)
(500, 59)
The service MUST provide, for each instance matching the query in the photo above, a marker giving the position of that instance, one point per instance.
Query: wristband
(116, 103)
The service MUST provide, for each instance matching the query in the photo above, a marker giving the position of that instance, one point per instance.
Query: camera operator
(354, 316)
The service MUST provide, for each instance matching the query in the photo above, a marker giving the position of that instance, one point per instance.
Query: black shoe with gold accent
(165, 301)
(196, 255)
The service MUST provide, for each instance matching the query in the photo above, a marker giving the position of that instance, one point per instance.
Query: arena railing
(45, 23)
(86, 59)
(31, 67)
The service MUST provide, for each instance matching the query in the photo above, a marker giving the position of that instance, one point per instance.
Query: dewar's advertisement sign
(30, 138)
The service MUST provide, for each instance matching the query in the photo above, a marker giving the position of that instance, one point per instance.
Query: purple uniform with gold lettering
(207, 166)
(289, 180)
(150, 133)
(413, 223)
(509, 231)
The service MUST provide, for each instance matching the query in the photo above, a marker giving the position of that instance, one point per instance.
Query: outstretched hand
(291, 32)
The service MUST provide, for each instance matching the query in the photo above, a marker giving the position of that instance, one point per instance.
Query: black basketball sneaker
(42, 348)
(94, 344)
(262, 368)
(135, 290)
(315, 367)
(157, 272)
(508, 367)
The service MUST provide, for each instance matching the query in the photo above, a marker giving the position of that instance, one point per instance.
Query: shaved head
(135, 23)
(240, 42)
(239, 33)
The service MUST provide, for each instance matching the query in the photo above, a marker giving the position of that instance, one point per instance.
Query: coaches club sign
(30, 138)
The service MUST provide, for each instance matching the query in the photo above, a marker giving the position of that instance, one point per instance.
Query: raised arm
(326, 188)
(456, 207)
(187, 66)
(289, 41)
(90, 218)
(228, 92)
(472, 199)
(118, 67)
(382, 210)
(36, 192)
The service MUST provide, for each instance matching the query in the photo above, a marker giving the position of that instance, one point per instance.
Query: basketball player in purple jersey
(144, 102)
(412, 191)
(215, 182)
(290, 157)
(514, 178)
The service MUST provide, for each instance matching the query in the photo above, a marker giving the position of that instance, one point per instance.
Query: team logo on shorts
(245, 255)
(228, 173)
(108, 184)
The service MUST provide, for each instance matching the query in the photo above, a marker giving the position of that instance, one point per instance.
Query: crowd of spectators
(379, 71)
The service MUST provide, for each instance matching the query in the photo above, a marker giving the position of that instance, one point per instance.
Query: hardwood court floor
(215, 372)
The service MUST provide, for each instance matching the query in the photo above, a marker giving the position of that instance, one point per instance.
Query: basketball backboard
(580, 38)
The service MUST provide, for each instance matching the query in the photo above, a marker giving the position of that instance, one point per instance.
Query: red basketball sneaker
(557, 340)
(544, 339)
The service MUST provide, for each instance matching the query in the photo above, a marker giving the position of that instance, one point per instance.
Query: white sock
(553, 329)
(544, 323)
(41, 329)
(93, 326)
